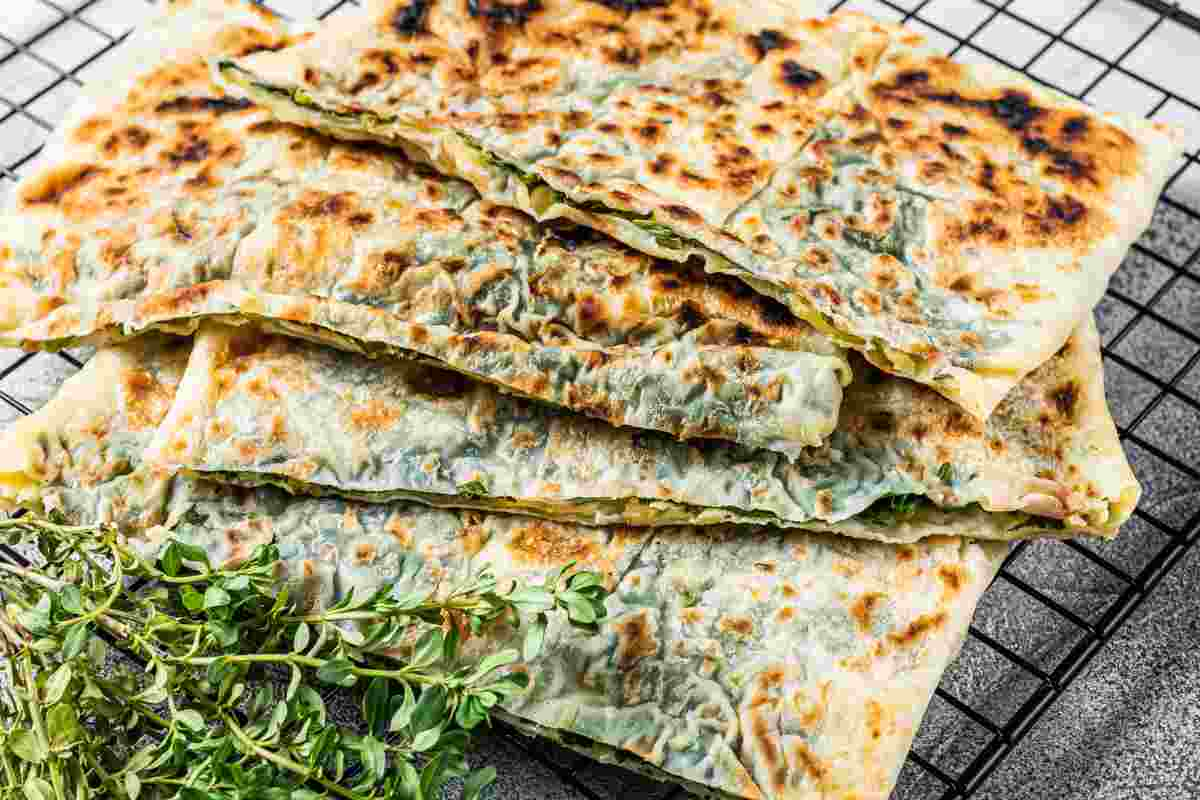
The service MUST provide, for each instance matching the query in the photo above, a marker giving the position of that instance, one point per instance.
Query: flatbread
(744, 664)
(254, 409)
(82, 453)
(162, 201)
(953, 222)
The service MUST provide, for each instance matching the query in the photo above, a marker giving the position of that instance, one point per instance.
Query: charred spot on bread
(767, 40)
(797, 75)
(409, 20)
(772, 312)
(191, 105)
(499, 12)
(629, 6)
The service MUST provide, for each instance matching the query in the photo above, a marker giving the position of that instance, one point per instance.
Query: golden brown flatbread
(903, 464)
(163, 201)
(744, 663)
(952, 222)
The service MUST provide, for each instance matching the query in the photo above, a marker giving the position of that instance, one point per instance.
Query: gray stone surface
(1128, 729)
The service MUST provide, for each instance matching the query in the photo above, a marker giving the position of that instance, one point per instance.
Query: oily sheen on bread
(952, 222)
(743, 663)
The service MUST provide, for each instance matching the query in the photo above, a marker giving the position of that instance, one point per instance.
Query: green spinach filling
(895, 509)
(886, 512)
(476, 495)
(663, 235)
(886, 244)
(475, 489)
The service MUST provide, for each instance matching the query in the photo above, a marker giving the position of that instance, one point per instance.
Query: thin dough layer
(744, 663)
(163, 201)
(952, 222)
(903, 464)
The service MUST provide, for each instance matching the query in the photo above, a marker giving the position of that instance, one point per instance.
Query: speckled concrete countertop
(1129, 726)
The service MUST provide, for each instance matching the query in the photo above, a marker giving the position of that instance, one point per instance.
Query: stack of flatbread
(781, 322)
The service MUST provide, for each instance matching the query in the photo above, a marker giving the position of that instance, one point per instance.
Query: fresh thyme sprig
(189, 728)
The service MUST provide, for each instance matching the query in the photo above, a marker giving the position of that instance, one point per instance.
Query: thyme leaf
(73, 725)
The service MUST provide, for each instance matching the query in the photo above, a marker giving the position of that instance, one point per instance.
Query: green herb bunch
(188, 728)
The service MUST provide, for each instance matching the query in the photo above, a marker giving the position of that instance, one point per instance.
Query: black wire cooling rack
(1137, 55)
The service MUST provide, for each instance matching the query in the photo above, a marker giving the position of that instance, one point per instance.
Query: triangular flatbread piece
(952, 222)
(163, 201)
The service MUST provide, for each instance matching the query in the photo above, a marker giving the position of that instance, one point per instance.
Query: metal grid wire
(1139, 55)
